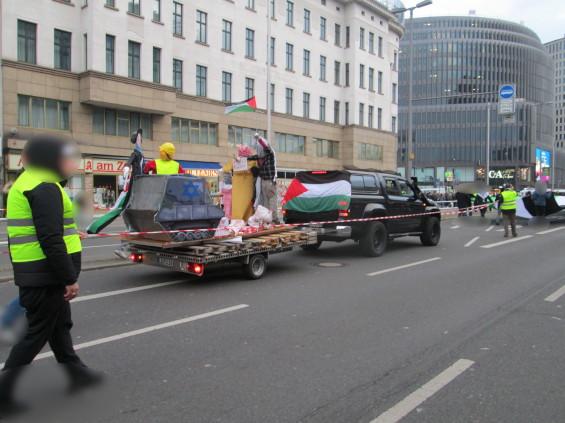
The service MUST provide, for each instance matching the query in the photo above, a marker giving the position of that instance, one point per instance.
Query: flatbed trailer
(193, 256)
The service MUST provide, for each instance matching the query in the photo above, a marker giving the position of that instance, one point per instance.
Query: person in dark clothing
(480, 199)
(268, 174)
(463, 202)
(540, 202)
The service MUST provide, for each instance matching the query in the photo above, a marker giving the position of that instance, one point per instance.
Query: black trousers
(540, 210)
(49, 318)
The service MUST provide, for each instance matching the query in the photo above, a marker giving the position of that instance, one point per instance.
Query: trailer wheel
(256, 268)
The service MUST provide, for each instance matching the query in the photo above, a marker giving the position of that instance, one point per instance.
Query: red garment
(152, 167)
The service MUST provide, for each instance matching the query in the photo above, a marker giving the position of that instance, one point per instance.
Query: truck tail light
(136, 258)
(344, 213)
(284, 211)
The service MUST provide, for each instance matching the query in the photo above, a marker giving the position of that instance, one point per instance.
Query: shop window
(324, 148)
(194, 132)
(119, 122)
(290, 144)
(44, 113)
(370, 152)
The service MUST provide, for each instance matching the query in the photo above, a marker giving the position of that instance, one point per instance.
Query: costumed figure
(242, 186)
(266, 182)
(165, 165)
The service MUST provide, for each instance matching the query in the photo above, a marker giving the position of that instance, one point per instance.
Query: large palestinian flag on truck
(318, 191)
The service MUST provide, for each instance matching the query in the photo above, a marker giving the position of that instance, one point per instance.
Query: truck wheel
(256, 268)
(311, 247)
(375, 239)
(432, 232)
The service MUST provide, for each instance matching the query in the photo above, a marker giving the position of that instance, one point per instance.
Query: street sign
(509, 118)
(411, 156)
(449, 176)
(506, 99)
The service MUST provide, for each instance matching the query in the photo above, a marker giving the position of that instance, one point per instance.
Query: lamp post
(410, 79)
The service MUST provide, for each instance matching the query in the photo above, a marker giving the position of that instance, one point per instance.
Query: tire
(432, 232)
(311, 247)
(375, 239)
(256, 268)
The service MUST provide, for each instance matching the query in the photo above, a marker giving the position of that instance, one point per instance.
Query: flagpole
(269, 71)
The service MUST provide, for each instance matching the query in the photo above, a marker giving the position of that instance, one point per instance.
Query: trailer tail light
(136, 258)
(198, 269)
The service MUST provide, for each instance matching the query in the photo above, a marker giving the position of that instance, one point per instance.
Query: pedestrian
(463, 203)
(540, 199)
(508, 208)
(481, 199)
(267, 174)
(498, 199)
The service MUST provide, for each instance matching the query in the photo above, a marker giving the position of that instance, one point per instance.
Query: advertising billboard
(543, 161)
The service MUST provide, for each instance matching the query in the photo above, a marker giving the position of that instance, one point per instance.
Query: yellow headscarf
(167, 151)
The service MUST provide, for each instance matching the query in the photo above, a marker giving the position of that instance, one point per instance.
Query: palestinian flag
(247, 106)
(317, 191)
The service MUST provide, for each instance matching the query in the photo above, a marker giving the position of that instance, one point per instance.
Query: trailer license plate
(165, 262)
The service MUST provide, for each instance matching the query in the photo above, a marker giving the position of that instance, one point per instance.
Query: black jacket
(463, 200)
(59, 267)
(134, 163)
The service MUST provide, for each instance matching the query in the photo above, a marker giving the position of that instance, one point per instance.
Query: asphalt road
(463, 334)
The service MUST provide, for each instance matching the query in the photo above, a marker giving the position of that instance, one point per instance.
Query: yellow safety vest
(24, 245)
(508, 200)
(169, 167)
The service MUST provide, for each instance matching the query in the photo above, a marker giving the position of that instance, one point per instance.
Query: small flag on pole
(247, 106)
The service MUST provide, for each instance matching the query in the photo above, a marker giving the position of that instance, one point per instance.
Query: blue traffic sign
(506, 92)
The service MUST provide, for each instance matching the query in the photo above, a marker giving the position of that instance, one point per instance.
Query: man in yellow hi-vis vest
(508, 208)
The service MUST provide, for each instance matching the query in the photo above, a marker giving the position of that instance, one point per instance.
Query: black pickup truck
(375, 194)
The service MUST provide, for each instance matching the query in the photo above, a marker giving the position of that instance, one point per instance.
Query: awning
(199, 165)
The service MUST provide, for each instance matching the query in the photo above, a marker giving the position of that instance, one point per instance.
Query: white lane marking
(555, 296)
(99, 246)
(550, 230)
(471, 242)
(125, 291)
(145, 330)
(489, 228)
(413, 400)
(403, 267)
(496, 244)
(501, 230)
(454, 227)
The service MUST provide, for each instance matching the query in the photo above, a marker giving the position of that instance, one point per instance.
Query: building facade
(459, 63)
(98, 70)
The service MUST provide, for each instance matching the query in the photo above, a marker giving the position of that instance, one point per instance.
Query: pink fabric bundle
(244, 151)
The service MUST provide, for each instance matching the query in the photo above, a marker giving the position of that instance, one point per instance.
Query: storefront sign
(107, 166)
(15, 162)
(499, 174)
(203, 173)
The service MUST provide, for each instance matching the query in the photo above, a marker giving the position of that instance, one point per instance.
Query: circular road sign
(507, 92)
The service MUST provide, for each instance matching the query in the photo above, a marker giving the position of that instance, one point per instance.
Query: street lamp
(409, 139)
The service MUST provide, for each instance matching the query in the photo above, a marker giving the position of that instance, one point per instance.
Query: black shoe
(82, 378)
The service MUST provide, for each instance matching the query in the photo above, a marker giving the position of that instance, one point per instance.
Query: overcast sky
(545, 17)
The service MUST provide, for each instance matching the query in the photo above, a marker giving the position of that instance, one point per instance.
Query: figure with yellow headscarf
(165, 165)
(242, 183)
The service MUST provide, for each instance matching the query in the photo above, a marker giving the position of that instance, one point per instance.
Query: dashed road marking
(502, 230)
(489, 228)
(454, 227)
(556, 295)
(471, 242)
(496, 244)
(125, 291)
(550, 230)
(413, 400)
(402, 267)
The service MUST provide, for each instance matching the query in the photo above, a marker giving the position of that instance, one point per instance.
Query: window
(371, 110)
(371, 79)
(337, 71)
(226, 35)
(337, 34)
(393, 129)
(347, 36)
(306, 21)
(290, 144)
(370, 152)
(119, 122)
(391, 186)
(272, 51)
(249, 88)
(405, 190)
(394, 64)
(347, 113)
(201, 72)
(156, 10)
(238, 137)
(177, 74)
(110, 3)
(379, 118)
(362, 38)
(62, 50)
(250, 4)
(110, 40)
(380, 47)
(322, 108)
(357, 183)
(347, 74)
(289, 50)
(306, 62)
(133, 59)
(44, 114)
(288, 101)
(193, 132)
(362, 76)
(322, 28)
(306, 105)
(177, 19)
(156, 64)
(361, 114)
(322, 68)
(336, 112)
(394, 93)
(272, 8)
(249, 39)
(324, 148)
(201, 19)
(226, 86)
(272, 96)
(371, 42)
(26, 41)
(133, 7)
(380, 82)
(289, 13)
